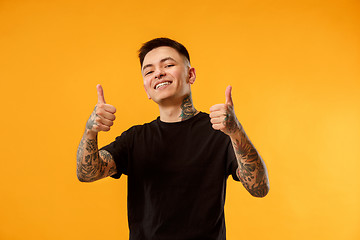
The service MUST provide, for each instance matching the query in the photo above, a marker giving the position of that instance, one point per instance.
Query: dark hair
(161, 42)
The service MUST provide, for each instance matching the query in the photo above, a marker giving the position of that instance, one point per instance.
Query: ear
(148, 95)
(192, 75)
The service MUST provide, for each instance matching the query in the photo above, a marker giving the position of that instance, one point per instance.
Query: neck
(178, 112)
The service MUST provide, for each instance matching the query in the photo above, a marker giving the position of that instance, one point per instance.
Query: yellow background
(294, 68)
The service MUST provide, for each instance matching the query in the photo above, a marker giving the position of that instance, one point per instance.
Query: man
(178, 164)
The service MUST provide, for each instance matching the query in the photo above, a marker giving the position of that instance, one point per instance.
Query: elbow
(82, 178)
(86, 177)
(261, 194)
(260, 191)
(81, 172)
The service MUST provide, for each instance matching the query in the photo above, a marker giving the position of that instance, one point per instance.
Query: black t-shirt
(177, 176)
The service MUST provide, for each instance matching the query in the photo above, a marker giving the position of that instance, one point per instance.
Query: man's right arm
(93, 164)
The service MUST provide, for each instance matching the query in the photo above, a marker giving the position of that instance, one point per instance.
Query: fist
(222, 116)
(103, 116)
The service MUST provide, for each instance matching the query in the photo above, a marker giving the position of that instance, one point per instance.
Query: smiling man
(167, 78)
(178, 164)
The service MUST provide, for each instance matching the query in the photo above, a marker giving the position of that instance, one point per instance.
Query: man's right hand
(103, 116)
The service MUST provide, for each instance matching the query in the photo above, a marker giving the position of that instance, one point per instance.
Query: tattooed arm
(251, 168)
(93, 164)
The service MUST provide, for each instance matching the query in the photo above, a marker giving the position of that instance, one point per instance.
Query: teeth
(162, 84)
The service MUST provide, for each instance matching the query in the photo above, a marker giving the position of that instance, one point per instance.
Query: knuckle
(101, 127)
(110, 108)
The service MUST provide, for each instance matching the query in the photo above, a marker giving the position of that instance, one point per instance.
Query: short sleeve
(232, 164)
(119, 150)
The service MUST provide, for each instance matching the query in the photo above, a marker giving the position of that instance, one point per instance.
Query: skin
(251, 168)
(174, 101)
(93, 164)
(165, 64)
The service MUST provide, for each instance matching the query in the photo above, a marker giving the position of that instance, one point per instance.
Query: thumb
(100, 94)
(228, 98)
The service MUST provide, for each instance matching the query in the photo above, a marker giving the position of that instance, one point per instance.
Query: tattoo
(79, 154)
(260, 190)
(106, 156)
(87, 169)
(91, 122)
(95, 164)
(230, 122)
(251, 171)
(187, 108)
(91, 145)
(241, 146)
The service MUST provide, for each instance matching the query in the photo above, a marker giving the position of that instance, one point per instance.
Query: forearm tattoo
(251, 171)
(92, 164)
(91, 122)
(187, 109)
(230, 122)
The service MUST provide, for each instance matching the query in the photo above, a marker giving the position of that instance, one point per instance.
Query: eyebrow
(161, 61)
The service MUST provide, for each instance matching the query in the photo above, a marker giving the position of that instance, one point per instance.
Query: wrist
(237, 131)
(90, 134)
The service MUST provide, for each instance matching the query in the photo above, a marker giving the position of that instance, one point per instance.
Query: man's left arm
(251, 168)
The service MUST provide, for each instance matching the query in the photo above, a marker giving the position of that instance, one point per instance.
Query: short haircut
(162, 42)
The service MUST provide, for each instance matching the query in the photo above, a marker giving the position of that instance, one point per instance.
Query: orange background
(294, 68)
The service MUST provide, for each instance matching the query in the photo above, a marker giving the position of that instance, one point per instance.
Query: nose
(159, 73)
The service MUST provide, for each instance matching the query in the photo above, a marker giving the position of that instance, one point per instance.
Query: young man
(178, 164)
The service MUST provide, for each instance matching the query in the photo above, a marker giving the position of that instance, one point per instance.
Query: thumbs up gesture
(103, 116)
(222, 116)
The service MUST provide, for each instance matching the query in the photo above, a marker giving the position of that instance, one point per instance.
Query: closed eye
(169, 65)
(148, 73)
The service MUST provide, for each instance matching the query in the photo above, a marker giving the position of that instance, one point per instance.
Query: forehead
(157, 54)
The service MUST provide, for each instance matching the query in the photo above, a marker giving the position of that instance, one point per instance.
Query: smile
(162, 84)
